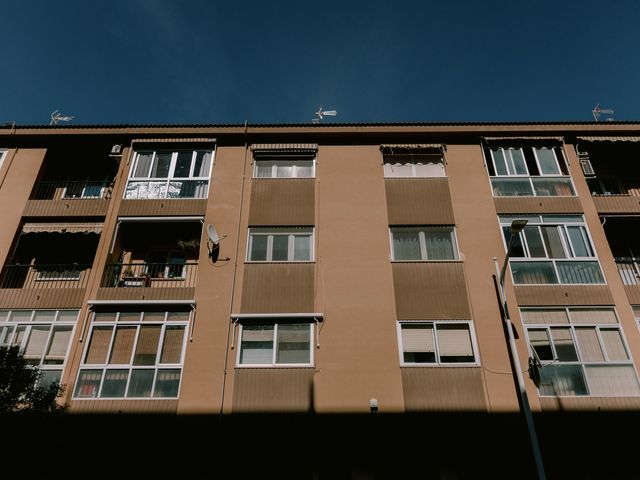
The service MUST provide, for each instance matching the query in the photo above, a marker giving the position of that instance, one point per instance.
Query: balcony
(629, 269)
(150, 275)
(69, 198)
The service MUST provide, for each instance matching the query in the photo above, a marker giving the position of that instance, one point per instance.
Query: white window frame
(170, 174)
(567, 246)
(274, 352)
(130, 367)
(423, 242)
(3, 155)
(388, 160)
(509, 161)
(284, 158)
(291, 233)
(571, 326)
(32, 322)
(437, 363)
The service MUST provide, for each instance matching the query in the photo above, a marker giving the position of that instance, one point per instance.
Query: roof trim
(607, 138)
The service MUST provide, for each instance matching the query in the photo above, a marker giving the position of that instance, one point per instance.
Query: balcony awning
(67, 227)
(284, 147)
(174, 140)
(603, 138)
(413, 148)
(521, 139)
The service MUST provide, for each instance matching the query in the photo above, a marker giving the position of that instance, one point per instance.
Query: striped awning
(284, 147)
(413, 148)
(67, 227)
(603, 138)
(516, 139)
(174, 140)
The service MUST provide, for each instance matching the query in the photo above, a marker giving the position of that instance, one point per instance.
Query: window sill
(439, 365)
(276, 367)
(259, 262)
(427, 261)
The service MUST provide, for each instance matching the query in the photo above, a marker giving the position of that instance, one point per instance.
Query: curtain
(99, 345)
(172, 344)
(58, 345)
(589, 344)
(406, 246)
(147, 346)
(593, 315)
(36, 343)
(293, 343)
(122, 345)
(440, 244)
(613, 344)
(143, 165)
(544, 316)
(607, 380)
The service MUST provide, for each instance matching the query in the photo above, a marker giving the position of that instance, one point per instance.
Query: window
(437, 343)
(423, 243)
(280, 245)
(170, 174)
(276, 344)
(133, 354)
(419, 165)
(43, 337)
(290, 166)
(582, 351)
(528, 171)
(557, 249)
(3, 154)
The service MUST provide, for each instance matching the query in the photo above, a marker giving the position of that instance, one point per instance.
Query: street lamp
(515, 228)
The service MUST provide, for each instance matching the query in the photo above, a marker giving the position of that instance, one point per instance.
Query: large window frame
(271, 238)
(510, 172)
(552, 249)
(427, 251)
(436, 357)
(21, 327)
(430, 165)
(165, 175)
(276, 326)
(149, 372)
(282, 166)
(575, 345)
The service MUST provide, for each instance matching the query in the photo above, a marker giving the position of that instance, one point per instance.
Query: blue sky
(198, 61)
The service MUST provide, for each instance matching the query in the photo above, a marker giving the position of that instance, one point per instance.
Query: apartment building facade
(352, 268)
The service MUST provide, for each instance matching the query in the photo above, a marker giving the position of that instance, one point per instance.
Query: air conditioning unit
(587, 168)
(116, 150)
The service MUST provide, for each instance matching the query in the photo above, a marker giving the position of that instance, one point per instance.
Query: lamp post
(516, 227)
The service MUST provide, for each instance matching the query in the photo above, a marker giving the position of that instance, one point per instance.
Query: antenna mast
(320, 114)
(57, 117)
(597, 111)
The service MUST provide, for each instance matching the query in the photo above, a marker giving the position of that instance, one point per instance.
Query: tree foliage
(18, 385)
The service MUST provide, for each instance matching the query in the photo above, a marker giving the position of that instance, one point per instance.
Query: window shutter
(454, 340)
(417, 338)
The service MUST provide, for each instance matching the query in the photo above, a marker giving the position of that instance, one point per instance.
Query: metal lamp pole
(515, 228)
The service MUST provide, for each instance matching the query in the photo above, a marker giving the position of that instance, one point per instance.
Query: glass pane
(45, 315)
(294, 343)
(177, 316)
(88, 384)
(547, 161)
(563, 342)
(263, 169)
(302, 248)
(517, 250)
(304, 169)
(257, 344)
(99, 345)
(580, 272)
(613, 344)
(153, 316)
(36, 343)
(534, 242)
(552, 241)
(183, 165)
(589, 345)
(167, 383)
(161, 165)
(499, 162)
(4, 314)
(147, 346)
(6, 333)
(579, 242)
(517, 187)
(129, 316)
(280, 248)
(143, 163)
(593, 315)
(141, 383)
(19, 335)
(115, 383)
(406, 245)
(284, 170)
(440, 245)
(48, 378)
(203, 164)
(58, 345)
(172, 344)
(533, 272)
(608, 380)
(20, 316)
(258, 248)
(122, 345)
(558, 380)
(557, 187)
(104, 317)
(519, 165)
(398, 170)
(539, 340)
(68, 315)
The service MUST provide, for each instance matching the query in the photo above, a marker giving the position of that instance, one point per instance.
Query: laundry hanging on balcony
(67, 227)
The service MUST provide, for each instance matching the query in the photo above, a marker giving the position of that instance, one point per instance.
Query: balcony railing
(63, 189)
(159, 189)
(45, 276)
(150, 275)
(629, 268)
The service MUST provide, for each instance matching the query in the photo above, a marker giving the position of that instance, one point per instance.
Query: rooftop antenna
(597, 111)
(56, 117)
(320, 114)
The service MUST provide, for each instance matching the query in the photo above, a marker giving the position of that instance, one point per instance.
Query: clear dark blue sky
(199, 61)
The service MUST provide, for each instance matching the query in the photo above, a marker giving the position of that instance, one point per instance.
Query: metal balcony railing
(179, 274)
(73, 275)
(629, 268)
(67, 189)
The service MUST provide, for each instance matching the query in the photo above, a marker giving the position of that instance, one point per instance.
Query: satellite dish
(214, 243)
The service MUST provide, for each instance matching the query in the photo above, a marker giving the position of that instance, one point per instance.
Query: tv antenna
(320, 114)
(213, 243)
(56, 117)
(597, 111)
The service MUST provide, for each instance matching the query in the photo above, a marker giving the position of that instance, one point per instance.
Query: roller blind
(544, 316)
(613, 344)
(58, 345)
(147, 346)
(172, 345)
(99, 345)
(589, 345)
(122, 345)
(454, 340)
(417, 338)
(593, 316)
